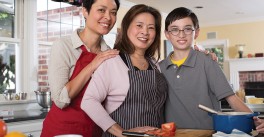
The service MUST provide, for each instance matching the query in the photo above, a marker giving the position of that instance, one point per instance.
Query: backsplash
(250, 76)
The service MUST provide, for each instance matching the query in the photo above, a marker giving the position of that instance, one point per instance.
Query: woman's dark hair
(124, 45)
(180, 13)
(87, 4)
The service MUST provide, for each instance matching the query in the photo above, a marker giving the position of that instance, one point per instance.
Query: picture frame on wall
(168, 48)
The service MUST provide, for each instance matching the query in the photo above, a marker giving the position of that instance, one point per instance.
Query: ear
(167, 34)
(84, 12)
(197, 31)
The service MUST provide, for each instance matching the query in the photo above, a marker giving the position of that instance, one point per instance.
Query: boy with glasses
(193, 77)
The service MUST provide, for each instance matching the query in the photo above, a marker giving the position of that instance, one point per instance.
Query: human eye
(101, 10)
(114, 13)
(139, 25)
(188, 30)
(151, 27)
(175, 30)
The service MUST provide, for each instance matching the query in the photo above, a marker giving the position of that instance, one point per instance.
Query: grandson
(193, 77)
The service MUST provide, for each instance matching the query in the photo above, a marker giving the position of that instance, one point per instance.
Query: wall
(250, 34)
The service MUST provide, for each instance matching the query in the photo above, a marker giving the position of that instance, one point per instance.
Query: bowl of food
(44, 99)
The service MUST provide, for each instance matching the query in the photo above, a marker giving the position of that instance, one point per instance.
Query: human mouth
(105, 24)
(143, 39)
(182, 41)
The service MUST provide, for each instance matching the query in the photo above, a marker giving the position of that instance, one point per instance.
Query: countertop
(193, 133)
(24, 115)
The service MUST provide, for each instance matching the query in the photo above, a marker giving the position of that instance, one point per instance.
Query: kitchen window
(8, 46)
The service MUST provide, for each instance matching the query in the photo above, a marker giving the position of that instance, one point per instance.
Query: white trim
(244, 64)
(45, 43)
(211, 43)
(29, 49)
(12, 40)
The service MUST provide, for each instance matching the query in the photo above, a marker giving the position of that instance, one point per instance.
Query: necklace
(140, 63)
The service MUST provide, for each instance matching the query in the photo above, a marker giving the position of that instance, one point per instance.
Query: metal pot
(44, 99)
(242, 121)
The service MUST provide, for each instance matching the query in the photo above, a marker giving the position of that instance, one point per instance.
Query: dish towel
(234, 133)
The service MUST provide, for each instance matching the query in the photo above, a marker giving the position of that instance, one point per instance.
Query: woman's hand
(142, 129)
(213, 55)
(259, 123)
(102, 56)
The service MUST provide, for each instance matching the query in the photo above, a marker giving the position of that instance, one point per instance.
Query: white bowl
(69, 135)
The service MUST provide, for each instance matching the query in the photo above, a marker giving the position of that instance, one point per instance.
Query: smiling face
(101, 17)
(141, 31)
(182, 41)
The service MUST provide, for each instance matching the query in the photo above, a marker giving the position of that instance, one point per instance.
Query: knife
(137, 134)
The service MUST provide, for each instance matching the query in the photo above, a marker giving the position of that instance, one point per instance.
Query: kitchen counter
(194, 133)
(24, 115)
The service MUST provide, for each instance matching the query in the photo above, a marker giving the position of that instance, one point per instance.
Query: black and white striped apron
(143, 105)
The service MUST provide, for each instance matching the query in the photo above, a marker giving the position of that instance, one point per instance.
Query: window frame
(26, 51)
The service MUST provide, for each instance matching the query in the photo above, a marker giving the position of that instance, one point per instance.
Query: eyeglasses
(186, 31)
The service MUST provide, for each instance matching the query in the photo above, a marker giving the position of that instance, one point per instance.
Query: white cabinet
(32, 127)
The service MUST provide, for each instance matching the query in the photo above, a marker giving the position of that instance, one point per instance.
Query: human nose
(181, 33)
(145, 31)
(107, 15)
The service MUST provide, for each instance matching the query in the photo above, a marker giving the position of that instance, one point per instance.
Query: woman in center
(128, 92)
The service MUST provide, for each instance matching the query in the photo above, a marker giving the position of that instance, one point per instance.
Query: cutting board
(193, 133)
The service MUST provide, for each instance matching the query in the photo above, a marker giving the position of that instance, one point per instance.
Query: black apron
(144, 103)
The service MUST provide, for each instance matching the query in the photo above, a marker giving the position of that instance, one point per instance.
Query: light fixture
(240, 48)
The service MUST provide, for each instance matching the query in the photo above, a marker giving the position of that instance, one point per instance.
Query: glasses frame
(183, 30)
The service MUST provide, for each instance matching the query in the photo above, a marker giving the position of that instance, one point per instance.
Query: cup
(23, 96)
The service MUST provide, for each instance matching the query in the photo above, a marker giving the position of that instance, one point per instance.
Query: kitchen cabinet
(32, 127)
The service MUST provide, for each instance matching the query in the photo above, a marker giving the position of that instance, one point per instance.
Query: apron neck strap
(131, 67)
(83, 48)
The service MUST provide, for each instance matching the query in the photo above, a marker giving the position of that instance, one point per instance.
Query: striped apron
(144, 103)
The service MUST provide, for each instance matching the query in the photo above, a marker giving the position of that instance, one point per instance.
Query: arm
(103, 85)
(74, 86)
(237, 104)
(60, 67)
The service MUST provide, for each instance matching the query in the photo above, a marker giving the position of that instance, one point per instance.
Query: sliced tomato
(168, 127)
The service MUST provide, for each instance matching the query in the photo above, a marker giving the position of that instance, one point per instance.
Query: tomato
(3, 128)
(169, 127)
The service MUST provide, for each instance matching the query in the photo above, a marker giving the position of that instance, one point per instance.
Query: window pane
(54, 11)
(66, 29)
(53, 31)
(42, 13)
(66, 15)
(7, 66)
(43, 56)
(77, 16)
(219, 51)
(7, 18)
(42, 30)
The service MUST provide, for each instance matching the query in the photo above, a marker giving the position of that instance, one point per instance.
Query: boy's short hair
(180, 13)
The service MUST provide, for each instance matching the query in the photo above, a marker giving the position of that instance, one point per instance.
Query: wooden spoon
(211, 110)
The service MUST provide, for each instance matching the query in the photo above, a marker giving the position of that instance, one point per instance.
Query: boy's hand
(207, 52)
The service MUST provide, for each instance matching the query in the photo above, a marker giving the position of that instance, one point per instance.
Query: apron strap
(129, 62)
(83, 48)
(131, 67)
